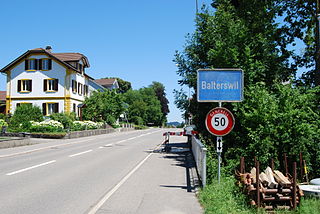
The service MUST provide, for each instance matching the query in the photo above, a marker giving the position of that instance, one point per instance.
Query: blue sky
(133, 40)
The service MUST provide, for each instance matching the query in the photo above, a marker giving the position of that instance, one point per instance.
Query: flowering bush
(84, 125)
(3, 123)
(46, 126)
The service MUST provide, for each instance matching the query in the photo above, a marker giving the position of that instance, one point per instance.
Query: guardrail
(200, 156)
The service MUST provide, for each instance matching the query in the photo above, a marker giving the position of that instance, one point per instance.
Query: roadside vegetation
(280, 112)
(144, 107)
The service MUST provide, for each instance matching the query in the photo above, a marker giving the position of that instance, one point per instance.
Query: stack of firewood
(270, 189)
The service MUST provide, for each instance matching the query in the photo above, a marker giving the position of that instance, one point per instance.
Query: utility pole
(317, 72)
(196, 7)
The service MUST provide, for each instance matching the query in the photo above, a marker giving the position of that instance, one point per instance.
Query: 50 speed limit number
(219, 121)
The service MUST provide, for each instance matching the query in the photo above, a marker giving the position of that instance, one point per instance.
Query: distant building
(108, 83)
(56, 82)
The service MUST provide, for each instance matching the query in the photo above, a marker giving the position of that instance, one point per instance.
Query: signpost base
(219, 151)
(219, 165)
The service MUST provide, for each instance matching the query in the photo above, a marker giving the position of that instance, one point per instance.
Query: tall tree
(124, 86)
(161, 94)
(144, 106)
(103, 106)
(244, 34)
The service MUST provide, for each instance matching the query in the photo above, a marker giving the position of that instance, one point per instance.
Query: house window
(45, 64)
(80, 88)
(74, 86)
(85, 90)
(50, 85)
(24, 85)
(50, 108)
(38, 64)
(31, 64)
(19, 104)
(74, 108)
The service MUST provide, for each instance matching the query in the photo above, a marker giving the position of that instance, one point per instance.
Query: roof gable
(63, 58)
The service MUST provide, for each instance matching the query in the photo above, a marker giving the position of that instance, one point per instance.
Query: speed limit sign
(219, 121)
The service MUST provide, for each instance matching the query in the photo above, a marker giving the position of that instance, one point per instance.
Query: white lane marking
(80, 153)
(60, 145)
(116, 187)
(121, 141)
(107, 145)
(43, 148)
(31, 167)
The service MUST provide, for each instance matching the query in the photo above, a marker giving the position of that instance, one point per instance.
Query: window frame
(23, 82)
(28, 63)
(55, 85)
(41, 64)
(55, 106)
(74, 85)
(80, 88)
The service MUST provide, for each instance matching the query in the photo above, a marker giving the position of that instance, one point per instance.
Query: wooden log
(276, 191)
(294, 187)
(242, 165)
(264, 179)
(253, 174)
(272, 183)
(281, 179)
(285, 163)
(283, 198)
(258, 184)
(244, 178)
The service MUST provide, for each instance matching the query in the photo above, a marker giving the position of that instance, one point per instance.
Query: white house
(56, 82)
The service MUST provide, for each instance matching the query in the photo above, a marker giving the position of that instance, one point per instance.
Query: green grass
(226, 198)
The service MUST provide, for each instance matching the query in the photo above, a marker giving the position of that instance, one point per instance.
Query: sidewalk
(164, 184)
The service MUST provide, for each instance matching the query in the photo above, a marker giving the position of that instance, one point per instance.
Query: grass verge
(226, 198)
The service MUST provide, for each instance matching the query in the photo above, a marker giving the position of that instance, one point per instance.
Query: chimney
(49, 49)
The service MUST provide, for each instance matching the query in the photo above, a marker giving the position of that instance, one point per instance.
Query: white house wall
(80, 79)
(37, 77)
(37, 95)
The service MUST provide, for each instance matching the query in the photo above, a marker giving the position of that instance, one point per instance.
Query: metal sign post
(219, 151)
(219, 122)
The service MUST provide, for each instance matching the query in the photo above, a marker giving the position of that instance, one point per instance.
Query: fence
(199, 153)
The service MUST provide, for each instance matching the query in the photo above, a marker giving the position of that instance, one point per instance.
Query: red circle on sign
(219, 121)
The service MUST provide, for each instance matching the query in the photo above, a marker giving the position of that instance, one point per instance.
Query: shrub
(3, 116)
(65, 118)
(3, 123)
(23, 114)
(137, 120)
(46, 126)
(84, 125)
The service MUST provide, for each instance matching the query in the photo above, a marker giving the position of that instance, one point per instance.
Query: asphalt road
(72, 176)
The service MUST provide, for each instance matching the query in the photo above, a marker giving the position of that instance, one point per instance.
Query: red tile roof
(68, 56)
(3, 95)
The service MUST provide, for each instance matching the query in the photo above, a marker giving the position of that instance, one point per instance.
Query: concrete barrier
(86, 133)
(14, 142)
